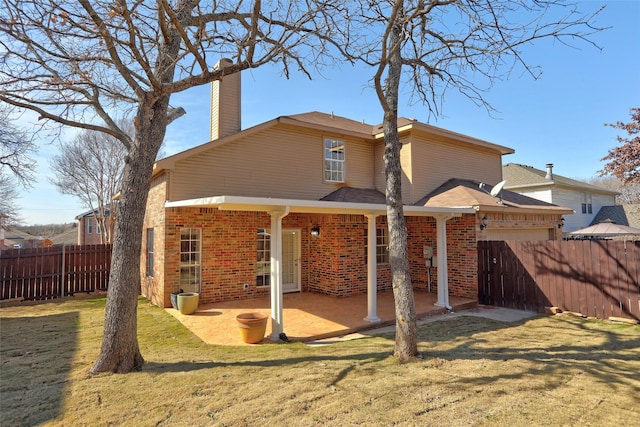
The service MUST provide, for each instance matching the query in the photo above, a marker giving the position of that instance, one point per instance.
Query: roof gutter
(265, 204)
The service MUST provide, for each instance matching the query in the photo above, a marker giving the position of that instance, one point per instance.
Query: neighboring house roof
(628, 215)
(69, 237)
(89, 213)
(18, 235)
(519, 176)
(463, 192)
(607, 229)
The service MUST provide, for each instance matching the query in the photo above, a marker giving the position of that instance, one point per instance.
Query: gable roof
(464, 192)
(329, 123)
(91, 213)
(334, 122)
(628, 215)
(518, 176)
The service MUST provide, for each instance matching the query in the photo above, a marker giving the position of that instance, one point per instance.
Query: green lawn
(546, 371)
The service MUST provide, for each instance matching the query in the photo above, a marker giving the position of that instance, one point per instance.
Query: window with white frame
(382, 244)
(89, 225)
(190, 244)
(149, 252)
(263, 262)
(333, 160)
(587, 207)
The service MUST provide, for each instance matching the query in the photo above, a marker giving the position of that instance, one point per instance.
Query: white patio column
(276, 273)
(372, 280)
(443, 273)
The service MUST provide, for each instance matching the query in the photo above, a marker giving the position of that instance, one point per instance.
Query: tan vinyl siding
(436, 160)
(359, 159)
(378, 166)
(214, 121)
(225, 106)
(406, 163)
(281, 162)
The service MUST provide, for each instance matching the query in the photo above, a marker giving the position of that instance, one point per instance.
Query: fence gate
(598, 278)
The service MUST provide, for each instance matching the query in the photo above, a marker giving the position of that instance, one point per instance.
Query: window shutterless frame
(334, 160)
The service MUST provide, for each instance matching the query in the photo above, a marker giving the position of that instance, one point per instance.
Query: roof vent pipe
(549, 174)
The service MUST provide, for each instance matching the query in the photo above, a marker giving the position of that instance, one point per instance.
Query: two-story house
(584, 199)
(297, 204)
(89, 228)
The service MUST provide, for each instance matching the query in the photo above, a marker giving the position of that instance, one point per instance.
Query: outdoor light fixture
(315, 231)
(485, 222)
(561, 222)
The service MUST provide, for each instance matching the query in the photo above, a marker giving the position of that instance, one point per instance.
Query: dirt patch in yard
(473, 371)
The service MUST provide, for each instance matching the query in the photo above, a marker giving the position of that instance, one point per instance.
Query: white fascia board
(266, 204)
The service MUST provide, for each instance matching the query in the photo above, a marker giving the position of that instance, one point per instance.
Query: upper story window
(89, 225)
(333, 160)
(587, 208)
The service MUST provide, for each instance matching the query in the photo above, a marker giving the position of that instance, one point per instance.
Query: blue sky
(557, 119)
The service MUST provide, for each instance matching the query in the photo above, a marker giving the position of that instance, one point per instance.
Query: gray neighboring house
(586, 200)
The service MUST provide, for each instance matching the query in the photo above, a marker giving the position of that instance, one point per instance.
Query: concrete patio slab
(306, 316)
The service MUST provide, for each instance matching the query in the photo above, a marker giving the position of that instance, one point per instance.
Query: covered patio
(307, 316)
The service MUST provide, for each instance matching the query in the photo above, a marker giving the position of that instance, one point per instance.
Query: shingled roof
(355, 195)
(628, 215)
(518, 175)
(464, 192)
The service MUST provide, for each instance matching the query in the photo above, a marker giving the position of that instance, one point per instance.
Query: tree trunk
(120, 352)
(406, 346)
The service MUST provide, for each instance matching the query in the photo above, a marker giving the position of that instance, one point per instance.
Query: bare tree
(79, 62)
(435, 46)
(8, 207)
(629, 193)
(90, 167)
(16, 166)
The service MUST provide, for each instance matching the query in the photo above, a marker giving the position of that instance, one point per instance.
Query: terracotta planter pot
(188, 302)
(252, 326)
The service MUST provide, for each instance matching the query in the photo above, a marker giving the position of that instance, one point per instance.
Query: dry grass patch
(474, 371)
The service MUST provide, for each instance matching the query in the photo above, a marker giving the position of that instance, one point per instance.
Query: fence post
(64, 286)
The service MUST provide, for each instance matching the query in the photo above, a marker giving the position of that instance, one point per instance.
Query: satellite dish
(497, 189)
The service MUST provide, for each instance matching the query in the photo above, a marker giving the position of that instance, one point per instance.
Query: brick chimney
(549, 174)
(225, 103)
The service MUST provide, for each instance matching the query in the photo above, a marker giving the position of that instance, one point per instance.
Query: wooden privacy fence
(47, 273)
(596, 278)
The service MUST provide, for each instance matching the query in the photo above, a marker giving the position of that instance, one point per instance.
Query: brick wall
(463, 257)
(333, 263)
(155, 287)
(524, 220)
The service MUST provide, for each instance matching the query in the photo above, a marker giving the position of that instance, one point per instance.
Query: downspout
(276, 273)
